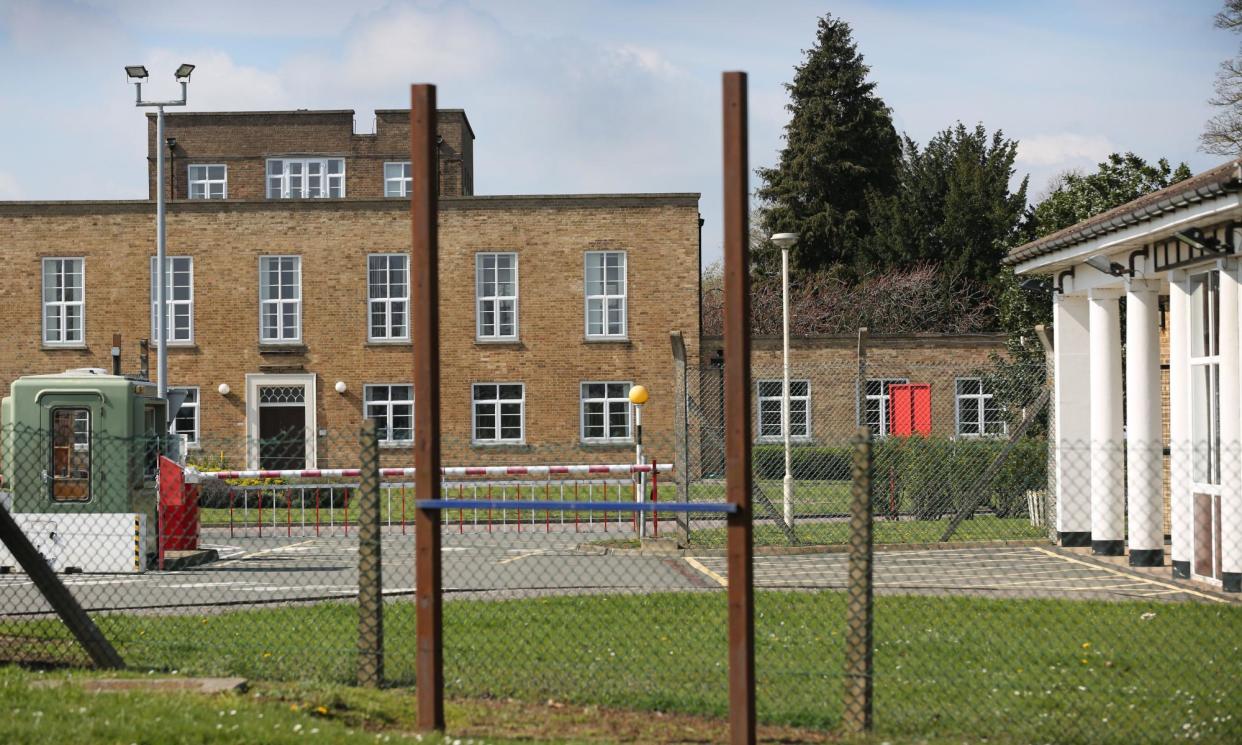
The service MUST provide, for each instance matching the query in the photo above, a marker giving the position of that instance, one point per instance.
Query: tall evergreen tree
(953, 206)
(840, 145)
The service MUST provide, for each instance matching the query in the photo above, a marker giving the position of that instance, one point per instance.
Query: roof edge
(1209, 184)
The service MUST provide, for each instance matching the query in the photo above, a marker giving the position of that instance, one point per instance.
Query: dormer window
(305, 178)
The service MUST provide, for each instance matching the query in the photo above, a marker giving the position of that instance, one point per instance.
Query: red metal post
(288, 512)
(260, 492)
(655, 499)
(347, 511)
(737, 412)
(230, 513)
(425, 328)
(316, 512)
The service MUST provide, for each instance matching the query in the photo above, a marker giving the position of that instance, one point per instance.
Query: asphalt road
(505, 564)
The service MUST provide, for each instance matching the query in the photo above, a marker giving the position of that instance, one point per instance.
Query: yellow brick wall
(550, 234)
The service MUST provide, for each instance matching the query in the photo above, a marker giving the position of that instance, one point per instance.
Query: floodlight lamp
(1102, 264)
(785, 240)
(1032, 284)
(183, 72)
(136, 72)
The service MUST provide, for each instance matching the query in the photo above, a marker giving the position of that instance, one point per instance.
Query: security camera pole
(138, 73)
(638, 397)
(786, 241)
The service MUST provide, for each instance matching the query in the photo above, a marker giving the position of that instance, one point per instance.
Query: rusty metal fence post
(739, 478)
(425, 328)
(370, 563)
(859, 613)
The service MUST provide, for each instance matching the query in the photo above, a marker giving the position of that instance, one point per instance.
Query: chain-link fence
(960, 450)
(269, 560)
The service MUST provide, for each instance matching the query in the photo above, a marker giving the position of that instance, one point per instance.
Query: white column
(1107, 453)
(1179, 423)
(1143, 435)
(1072, 425)
(1230, 428)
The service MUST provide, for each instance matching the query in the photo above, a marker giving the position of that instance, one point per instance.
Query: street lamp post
(138, 73)
(638, 397)
(786, 241)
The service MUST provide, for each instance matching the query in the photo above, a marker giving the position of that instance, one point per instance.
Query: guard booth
(79, 457)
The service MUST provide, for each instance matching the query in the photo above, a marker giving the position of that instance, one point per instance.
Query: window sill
(781, 441)
(623, 340)
(514, 343)
(516, 447)
(389, 343)
(74, 347)
(182, 347)
(290, 348)
(396, 445)
(606, 444)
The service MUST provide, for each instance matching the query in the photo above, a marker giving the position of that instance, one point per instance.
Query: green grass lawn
(1009, 670)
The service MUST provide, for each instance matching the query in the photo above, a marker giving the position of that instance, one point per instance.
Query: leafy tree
(1223, 133)
(952, 205)
(1074, 196)
(840, 144)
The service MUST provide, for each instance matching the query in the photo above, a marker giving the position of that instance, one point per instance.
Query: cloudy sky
(571, 96)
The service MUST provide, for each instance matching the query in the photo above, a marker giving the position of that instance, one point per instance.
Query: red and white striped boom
(457, 471)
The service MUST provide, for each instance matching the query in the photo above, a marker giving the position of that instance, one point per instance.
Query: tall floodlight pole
(137, 74)
(786, 241)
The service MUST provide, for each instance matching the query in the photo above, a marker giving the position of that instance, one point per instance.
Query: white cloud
(1063, 149)
(218, 82)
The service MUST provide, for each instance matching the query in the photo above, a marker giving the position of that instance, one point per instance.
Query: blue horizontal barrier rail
(546, 504)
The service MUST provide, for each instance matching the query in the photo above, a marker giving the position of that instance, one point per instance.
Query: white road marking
(523, 555)
(274, 550)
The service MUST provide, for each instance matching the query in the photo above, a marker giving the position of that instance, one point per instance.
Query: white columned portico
(1179, 424)
(1072, 421)
(1143, 435)
(1230, 527)
(1107, 454)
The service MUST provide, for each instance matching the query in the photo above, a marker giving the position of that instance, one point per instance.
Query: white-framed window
(305, 178)
(178, 299)
(208, 181)
(605, 411)
(605, 294)
(1205, 379)
(978, 412)
(496, 295)
(280, 299)
(397, 178)
(388, 297)
(186, 420)
(64, 301)
(769, 409)
(392, 408)
(499, 413)
(877, 409)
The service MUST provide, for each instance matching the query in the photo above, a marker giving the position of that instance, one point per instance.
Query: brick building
(288, 237)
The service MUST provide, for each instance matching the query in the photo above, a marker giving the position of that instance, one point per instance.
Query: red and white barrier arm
(457, 471)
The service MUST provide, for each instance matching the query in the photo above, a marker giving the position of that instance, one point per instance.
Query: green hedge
(927, 476)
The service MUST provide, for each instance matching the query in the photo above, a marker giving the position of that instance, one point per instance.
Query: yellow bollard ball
(638, 395)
